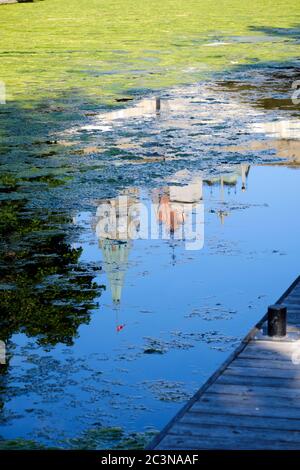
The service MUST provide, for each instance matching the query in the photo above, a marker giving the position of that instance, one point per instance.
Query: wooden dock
(253, 400)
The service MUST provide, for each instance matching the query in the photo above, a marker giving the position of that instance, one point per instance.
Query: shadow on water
(46, 294)
(291, 34)
(268, 84)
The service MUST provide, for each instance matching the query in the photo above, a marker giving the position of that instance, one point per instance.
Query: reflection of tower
(115, 254)
(222, 214)
(172, 244)
(113, 229)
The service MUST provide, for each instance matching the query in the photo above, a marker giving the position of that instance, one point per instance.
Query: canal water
(149, 212)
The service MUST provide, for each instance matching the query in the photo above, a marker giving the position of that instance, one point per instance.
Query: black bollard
(277, 320)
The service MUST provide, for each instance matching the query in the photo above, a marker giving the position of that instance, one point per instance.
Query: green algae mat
(99, 49)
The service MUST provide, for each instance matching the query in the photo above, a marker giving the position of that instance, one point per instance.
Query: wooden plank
(292, 301)
(293, 297)
(232, 407)
(264, 363)
(213, 432)
(296, 289)
(293, 312)
(293, 328)
(270, 350)
(285, 340)
(293, 315)
(238, 443)
(259, 372)
(259, 381)
(291, 304)
(272, 345)
(255, 422)
(263, 356)
(231, 389)
(251, 400)
(259, 402)
(267, 354)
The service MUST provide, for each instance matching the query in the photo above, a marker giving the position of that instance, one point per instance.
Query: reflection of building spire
(115, 254)
(116, 217)
(172, 245)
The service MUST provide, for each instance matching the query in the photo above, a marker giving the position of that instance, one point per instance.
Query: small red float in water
(120, 327)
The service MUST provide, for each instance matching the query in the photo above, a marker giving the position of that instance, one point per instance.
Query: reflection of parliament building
(173, 207)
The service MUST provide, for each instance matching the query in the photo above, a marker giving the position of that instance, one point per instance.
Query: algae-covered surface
(102, 49)
(169, 105)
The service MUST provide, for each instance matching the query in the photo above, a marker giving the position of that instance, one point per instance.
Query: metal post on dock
(277, 320)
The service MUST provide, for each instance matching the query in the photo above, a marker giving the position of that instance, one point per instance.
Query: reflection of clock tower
(115, 256)
(115, 242)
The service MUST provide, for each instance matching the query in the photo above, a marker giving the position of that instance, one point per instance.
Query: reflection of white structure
(146, 107)
(286, 129)
(284, 138)
(174, 111)
(230, 179)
